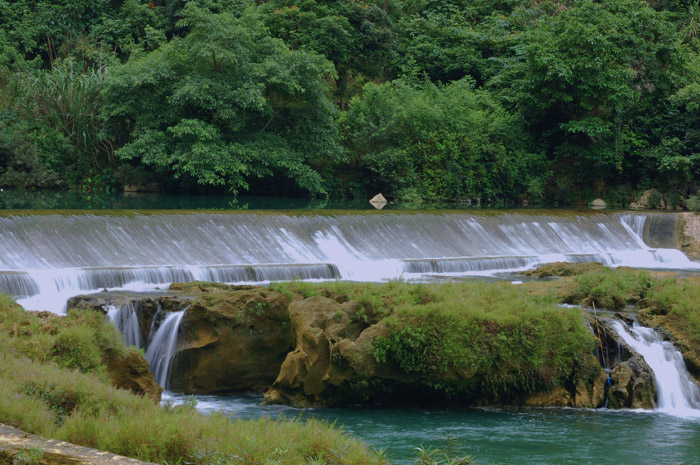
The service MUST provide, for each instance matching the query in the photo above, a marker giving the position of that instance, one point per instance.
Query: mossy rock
(560, 269)
(197, 287)
(232, 339)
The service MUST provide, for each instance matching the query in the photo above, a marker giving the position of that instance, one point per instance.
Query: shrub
(693, 202)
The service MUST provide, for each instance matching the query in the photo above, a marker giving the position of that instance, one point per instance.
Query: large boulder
(330, 362)
(232, 340)
(632, 385)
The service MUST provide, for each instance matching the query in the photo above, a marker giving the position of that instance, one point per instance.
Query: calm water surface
(531, 436)
(66, 200)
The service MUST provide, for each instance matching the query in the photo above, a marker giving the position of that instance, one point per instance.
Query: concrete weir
(14, 443)
(46, 259)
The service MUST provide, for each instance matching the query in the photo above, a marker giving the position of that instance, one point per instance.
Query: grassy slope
(51, 384)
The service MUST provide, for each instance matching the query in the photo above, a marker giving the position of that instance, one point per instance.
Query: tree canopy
(497, 100)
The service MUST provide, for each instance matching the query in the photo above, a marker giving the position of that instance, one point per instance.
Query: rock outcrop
(319, 351)
(133, 372)
(632, 383)
(333, 363)
(232, 340)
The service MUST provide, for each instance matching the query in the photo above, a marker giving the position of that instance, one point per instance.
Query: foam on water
(45, 259)
(163, 347)
(677, 393)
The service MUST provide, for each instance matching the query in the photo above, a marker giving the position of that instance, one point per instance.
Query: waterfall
(677, 393)
(126, 320)
(45, 259)
(162, 349)
(161, 344)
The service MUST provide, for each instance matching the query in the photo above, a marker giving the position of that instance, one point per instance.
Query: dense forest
(494, 101)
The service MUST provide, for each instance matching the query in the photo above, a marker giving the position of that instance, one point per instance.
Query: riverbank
(466, 343)
(47, 388)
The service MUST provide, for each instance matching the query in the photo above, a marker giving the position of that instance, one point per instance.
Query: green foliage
(50, 135)
(506, 343)
(611, 289)
(678, 300)
(447, 142)
(81, 340)
(355, 36)
(438, 40)
(224, 105)
(499, 340)
(693, 202)
(544, 101)
(446, 456)
(28, 456)
(584, 71)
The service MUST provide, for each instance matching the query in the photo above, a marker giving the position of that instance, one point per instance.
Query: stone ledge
(54, 452)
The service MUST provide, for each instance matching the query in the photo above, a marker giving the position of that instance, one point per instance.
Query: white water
(45, 259)
(163, 347)
(677, 394)
(127, 322)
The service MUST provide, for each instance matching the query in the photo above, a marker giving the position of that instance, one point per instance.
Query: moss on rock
(560, 269)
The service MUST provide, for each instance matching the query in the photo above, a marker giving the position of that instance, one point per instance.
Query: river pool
(527, 436)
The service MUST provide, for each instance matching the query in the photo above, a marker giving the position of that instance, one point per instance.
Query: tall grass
(47, 389)
(69, 100)
(611, 289)
(81, 408)
(81, 340)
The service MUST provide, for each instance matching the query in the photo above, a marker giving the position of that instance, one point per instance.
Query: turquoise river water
(46, 258)
(528, 436)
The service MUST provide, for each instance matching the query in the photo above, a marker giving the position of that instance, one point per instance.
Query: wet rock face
(632, 385)
(148, 306)
(232, 340)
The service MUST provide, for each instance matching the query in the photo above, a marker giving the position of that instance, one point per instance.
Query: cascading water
(677, 393)
(126, 320)
(45, 259)
(163, 347)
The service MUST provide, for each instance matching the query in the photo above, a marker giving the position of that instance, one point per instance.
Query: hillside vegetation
(550, 101)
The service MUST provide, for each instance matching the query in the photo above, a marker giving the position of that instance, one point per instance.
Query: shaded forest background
(492, 101)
